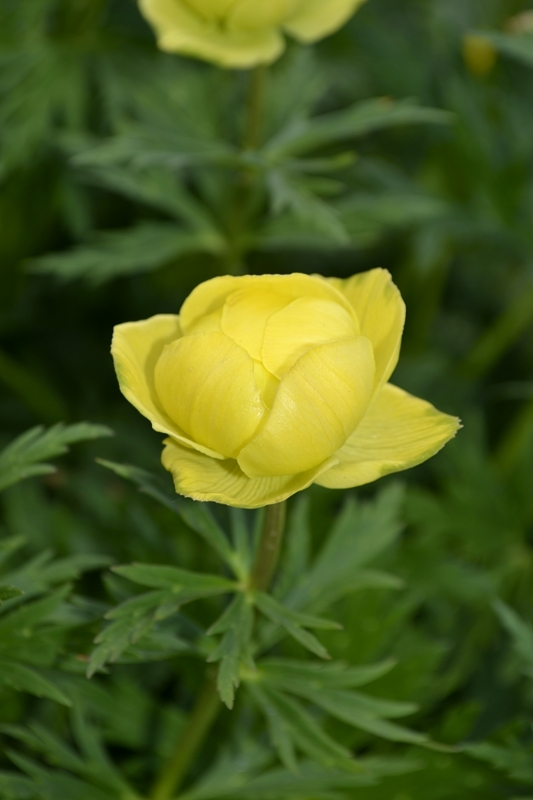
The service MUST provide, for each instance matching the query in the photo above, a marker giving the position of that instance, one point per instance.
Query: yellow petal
(399, 431)
(208, 324)
(318, 404)
(206, 384)
(381, 313)
(301, 325)
(211, 295)
(251, 14)
(136, 348)
(210, 9)
(315, 19)
(245, 316)
(180, 29)
(202, 478)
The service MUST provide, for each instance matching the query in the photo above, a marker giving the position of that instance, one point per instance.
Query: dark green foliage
(393, 657)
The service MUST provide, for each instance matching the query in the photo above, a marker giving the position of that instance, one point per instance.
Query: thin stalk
(198, 726)
(244, 199)
(269, 547)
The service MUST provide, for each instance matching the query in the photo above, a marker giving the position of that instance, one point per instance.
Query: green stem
(198, 726)
(269, 547)
(244, 200)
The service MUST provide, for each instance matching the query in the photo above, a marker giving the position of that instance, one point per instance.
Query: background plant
(124, 176)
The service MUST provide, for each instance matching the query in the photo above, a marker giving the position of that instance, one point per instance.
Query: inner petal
(210, 9)
(318, 405)
(246, 314)
(206, 384)
(301, 325)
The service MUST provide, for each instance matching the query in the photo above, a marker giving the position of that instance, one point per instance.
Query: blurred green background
(92, 235)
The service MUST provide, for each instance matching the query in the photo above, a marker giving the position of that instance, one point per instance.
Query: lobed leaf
(24, 456)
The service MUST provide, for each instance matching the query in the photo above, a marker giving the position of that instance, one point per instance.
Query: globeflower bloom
(242, 33)
(266, 384)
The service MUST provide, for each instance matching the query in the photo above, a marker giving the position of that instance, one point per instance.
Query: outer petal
(318, 404)
(301, 325)
(381, 313)
(399, 431)
(202, 478)
(206, 384)
(180, 30)
(318, 18)
(136, 348)
(211, 295)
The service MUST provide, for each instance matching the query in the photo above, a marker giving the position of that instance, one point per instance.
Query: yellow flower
(266, 384)
(479, 54)
(242, 33)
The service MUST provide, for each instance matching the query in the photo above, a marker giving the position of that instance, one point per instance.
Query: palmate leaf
(360, 533)
(242, 776)
(165, 145)
(85, 772)
(9, 593)
(155, 187)
(521, 632)
(146, 247)
(236, 625)
(362, 118)
(43, 571)
(292, 728)
(135, 618)
(295, 623)
(516, 760)
(330, 688)
(26, 456)
(30, 640)
(289, 193)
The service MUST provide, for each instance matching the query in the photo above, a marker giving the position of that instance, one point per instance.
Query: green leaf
(17, 625)
(280, 670)
(516, 46)
(521, 632)
(9, 593)
(357, 120)
(289, 194)
(236, 626)
(293, 622)
(360, 534)
(147, 247)
(279, 730)
(22, 458)
(515, 761)
(308, 736)
(156, 187)
(196, 515)
(25, 679)
(174, 579)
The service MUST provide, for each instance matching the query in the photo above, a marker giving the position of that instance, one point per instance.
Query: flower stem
(198, 726)
(269, 547)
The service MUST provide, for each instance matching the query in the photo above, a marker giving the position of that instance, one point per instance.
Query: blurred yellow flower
(479, 54)
(266, 384)
(242, 33)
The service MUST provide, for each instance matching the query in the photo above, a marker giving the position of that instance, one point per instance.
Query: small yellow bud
(479, 54)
